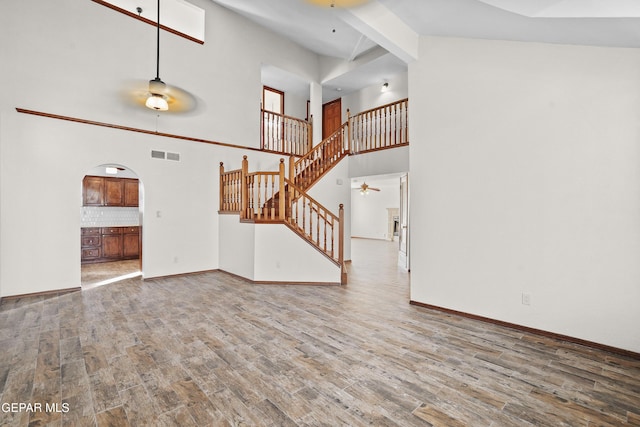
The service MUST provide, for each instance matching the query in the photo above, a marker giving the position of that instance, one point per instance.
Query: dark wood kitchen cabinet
(106, 191)
(103, 244)
(113, 192)
(91, 244)
(130, 242)
(131, 197)
(93, 191)
(112, 243)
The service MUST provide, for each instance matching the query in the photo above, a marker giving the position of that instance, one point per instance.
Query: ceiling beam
(379, 24)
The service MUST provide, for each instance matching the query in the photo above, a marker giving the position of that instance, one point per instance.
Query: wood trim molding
(266, 282)
(553, 335)
(148, 21)
(132, 129)
(373, 150)
(43, 293)
(190, 273)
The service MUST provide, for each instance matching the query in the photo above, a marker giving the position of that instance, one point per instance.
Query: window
(272, 100)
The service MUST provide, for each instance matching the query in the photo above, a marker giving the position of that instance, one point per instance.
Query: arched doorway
(111, 225)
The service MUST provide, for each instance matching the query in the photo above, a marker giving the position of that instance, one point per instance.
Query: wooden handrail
(405, 100)
(284, 134)
(315, 222)
(320, 159)
(380, 128)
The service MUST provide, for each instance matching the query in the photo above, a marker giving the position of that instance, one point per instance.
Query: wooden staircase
(275, 197)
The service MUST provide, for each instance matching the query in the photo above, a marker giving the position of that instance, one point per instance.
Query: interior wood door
(331, 117)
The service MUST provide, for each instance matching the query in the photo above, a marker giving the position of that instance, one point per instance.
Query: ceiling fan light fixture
(157, 102)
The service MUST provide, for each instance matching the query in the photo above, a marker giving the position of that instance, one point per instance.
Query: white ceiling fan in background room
(364, 189)
(156, 95)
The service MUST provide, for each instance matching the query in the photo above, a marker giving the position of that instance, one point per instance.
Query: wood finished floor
(210, 350)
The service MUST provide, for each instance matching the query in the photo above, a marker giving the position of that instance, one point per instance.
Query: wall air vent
(173, 156)
(157, 154)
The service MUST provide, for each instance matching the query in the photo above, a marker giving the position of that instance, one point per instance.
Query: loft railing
(305, 171)
(263, 190)
(372, 130)
(230, 190)
(380, 128)
(253, 195)
(284, 134)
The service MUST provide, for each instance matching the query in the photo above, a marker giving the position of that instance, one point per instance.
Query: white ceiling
(388, 180)
(324, 30)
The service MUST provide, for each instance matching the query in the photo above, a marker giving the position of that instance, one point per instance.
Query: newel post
(222, 189)
(281, 199)
(292, 168)
(243, 187)
(292, 177)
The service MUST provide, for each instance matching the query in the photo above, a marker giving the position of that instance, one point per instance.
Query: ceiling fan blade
(374, 189)
(136, 92)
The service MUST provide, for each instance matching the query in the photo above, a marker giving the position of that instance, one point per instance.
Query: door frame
(404, 231)
(277, 92)
(325, 132)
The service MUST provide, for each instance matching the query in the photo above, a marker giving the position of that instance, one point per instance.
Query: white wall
(67, 58)
(88, 64)
(372, 96)
(271, 253)
(369, 214)
(281, 255)
(237, 246)
(525, 179)
(295, 105)
(382, 162)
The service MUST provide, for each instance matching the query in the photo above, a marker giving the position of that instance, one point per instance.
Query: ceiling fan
(158, 96)
(364, 189)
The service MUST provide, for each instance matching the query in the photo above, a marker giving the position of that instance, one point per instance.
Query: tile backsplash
(108, 216)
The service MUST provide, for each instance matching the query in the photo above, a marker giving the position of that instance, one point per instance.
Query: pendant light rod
(158, 45)
(157, 99)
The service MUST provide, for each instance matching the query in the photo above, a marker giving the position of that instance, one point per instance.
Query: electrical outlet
(526, 299)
